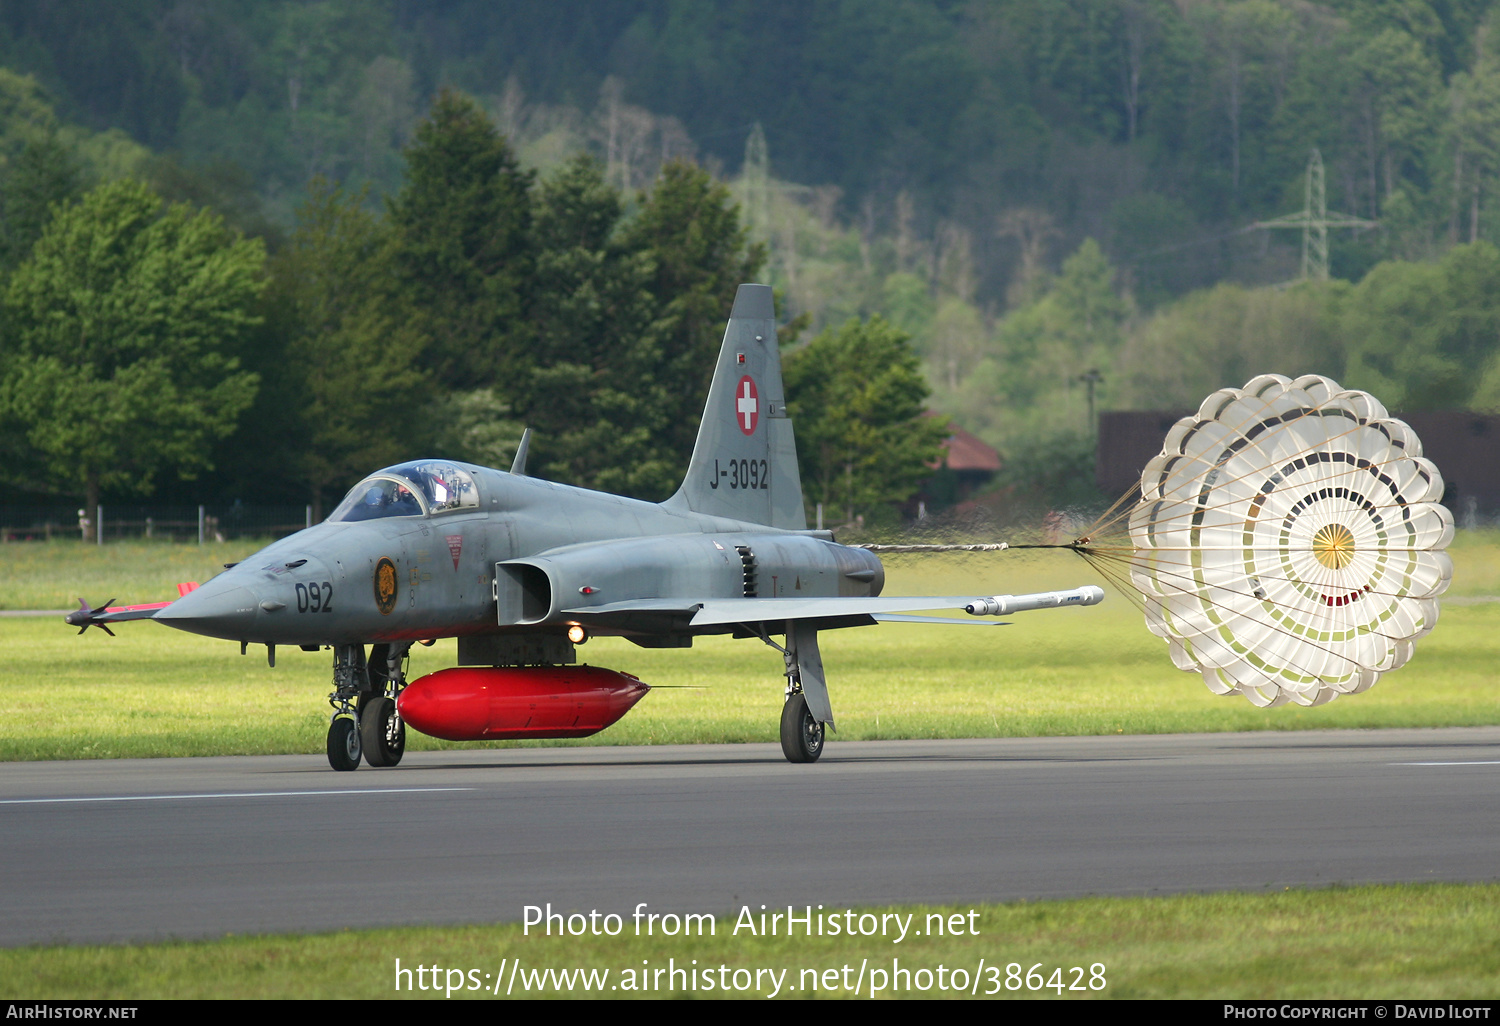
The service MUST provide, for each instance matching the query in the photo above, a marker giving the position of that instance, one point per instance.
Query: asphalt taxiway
(145, 849)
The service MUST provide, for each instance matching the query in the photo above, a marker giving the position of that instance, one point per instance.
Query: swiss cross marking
(746, 405)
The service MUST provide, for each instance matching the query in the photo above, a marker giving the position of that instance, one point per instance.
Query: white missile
(1003, 605)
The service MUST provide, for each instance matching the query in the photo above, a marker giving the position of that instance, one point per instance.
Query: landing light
(577, 635)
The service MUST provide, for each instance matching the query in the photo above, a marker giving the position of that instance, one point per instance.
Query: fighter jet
(522, 570)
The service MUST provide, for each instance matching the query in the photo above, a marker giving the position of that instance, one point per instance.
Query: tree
(856, 395)
(597, 396)
(1475, 130)
(117, 340)
(1222, 337)
(1071, 329)
(42, 176)
(1034, 396)
(462, 246)
(348, 397)
(692, 234)
(1419, 335)
(1398, 108)
(1243, 39)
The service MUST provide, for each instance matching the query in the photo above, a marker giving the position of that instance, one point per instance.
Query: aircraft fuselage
(563, 549)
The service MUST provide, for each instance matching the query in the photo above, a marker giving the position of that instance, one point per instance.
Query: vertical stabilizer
(744, 463)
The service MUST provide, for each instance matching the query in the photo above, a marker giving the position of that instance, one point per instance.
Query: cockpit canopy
(417, 489)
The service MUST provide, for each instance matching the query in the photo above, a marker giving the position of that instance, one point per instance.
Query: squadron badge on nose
(385, 585)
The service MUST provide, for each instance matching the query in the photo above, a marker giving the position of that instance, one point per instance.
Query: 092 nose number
(315, 597)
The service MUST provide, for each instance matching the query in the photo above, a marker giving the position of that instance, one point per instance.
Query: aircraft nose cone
(226, 611)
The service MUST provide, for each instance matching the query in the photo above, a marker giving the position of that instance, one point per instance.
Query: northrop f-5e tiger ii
(522, 570)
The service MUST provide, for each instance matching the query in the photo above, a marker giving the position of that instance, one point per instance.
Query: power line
(1203, 241)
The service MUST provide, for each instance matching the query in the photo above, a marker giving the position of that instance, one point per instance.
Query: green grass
(1476, 563)
(157, 692)
(1417, 941)
(56, 574)
(153, 691)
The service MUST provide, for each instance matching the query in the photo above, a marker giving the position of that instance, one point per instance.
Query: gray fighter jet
(522, 570)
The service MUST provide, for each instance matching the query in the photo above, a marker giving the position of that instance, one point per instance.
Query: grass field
(153, 691)
(1407, 941)
(156, 692)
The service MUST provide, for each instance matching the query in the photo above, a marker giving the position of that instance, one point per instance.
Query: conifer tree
(462, 246)
(692, 232)
(856, 395)
(343, 393)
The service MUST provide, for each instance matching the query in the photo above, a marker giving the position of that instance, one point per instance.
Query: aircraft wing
(712, 612)
(726, 611)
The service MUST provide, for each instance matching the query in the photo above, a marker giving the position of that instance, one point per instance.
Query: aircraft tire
(801, 735)
(343, 744)
(382, 735)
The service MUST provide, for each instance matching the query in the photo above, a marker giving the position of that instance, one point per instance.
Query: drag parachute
(1288, 541)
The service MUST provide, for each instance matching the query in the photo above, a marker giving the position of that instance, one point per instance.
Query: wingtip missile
(85, 617)
(1004, 605)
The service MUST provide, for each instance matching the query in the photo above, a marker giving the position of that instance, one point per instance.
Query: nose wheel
(366, 724)
(344, 747)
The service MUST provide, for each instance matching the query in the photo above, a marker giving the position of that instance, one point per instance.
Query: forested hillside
(1054, 199)
(1140, 123)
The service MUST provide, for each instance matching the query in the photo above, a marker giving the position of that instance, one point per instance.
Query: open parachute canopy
(1288, 541)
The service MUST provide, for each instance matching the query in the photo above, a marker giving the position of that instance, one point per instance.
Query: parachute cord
(989, 547)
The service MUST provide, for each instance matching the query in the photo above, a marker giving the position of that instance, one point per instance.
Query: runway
(149, 849)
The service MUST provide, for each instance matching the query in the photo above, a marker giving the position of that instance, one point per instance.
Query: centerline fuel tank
(504, 703)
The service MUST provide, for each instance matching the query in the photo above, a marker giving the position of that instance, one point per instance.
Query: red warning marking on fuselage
(746, 405)
(455, 546)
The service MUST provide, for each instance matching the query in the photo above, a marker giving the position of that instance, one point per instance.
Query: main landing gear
(365, 722)
(801, 735)
(806, 713)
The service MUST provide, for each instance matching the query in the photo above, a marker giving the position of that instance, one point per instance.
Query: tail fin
(744, 464)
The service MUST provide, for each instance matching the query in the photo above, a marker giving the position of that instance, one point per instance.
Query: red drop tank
(506, 703)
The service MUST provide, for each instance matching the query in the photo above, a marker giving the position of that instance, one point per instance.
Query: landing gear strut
(365, 722)
(806, 713)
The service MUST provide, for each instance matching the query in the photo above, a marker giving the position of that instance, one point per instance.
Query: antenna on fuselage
(518, 465)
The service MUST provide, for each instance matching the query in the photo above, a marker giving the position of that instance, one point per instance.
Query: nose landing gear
(381, 732)
(365, 721)
(344, 744)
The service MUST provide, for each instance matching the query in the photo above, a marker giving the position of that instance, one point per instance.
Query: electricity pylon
(1315, 220)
